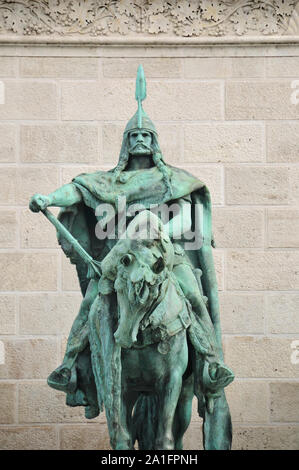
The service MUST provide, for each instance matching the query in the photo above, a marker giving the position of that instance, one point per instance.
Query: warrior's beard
(140, 149)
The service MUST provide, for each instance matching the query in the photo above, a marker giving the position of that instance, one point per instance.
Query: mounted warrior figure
(91, 372)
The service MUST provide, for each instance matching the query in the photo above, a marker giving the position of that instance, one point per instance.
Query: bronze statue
(147, 336)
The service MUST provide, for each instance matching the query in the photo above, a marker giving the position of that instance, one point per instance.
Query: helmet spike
(140, 120)
(140, 93)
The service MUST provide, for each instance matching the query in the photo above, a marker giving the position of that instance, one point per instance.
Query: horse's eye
(158, 266)
(126, 260)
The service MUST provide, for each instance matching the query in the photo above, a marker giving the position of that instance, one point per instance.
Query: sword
(94, 267)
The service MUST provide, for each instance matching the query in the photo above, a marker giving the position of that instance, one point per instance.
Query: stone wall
(227, 111)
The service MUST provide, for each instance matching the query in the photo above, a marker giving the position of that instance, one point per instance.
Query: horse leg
(131, 398)
(124, 438)
(183, 413)
(168, 396)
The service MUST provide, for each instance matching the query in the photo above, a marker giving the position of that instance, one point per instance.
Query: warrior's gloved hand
(39, 202)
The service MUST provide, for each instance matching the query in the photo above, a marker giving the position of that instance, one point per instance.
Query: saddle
(164, 321)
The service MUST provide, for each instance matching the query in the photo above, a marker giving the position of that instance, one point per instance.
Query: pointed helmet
(140, 120)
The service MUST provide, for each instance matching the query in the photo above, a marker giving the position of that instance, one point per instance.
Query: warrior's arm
(64, 196)
(181, 222)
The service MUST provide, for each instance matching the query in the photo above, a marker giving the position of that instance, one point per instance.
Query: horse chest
(144, 369)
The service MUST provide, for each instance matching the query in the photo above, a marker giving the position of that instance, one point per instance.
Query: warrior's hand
(38, 202)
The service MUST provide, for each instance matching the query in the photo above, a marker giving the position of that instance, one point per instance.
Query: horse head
(139, 265)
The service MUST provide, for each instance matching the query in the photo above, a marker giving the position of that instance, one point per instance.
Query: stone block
(257, 185)
(37, 231)
(70, 280)
(238, 228)
(158, 67)
(263, 99)
(248, 401)
(282, 313)
(266, 438)
(84, 437)
(28, 271)
(17, 185)
(170, 141)
(29, 100)
(28, 358)
(8, 307)
(219, 267)
(38, 403)
(182, 101)
(112, 140)
(284, 405)
(48, 314)
(207, 67)
(211, 176)
(34, 179)
(59, 67)
(8, 229)
(60, 143)
(283, 228)
(294, 185)
(282, 67)
(282, 142)
(193, 437)
(7, 143)
(8, 403)
(63, 345)
(8, 66)
(8, 186)
(260, 356)
(224, 67)
(28, 438)
(259, 270)
(242, 313)
(247, 67)
(228, 142)
(109, 100)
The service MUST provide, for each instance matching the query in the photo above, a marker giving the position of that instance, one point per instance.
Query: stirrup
(224, 376)
(63, 379)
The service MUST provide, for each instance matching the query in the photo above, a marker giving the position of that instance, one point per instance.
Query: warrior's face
(140, 142)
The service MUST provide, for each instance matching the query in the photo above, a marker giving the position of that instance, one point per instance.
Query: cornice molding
(153, 22)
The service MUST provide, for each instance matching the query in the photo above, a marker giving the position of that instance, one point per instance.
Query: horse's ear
(158, 266)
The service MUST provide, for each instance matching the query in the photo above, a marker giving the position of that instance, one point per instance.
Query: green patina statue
(147, 336)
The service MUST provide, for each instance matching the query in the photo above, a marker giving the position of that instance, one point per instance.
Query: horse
(153, 317)
(146, 359)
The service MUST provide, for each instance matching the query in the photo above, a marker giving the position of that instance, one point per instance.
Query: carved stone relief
(293, 28)
(149, 17)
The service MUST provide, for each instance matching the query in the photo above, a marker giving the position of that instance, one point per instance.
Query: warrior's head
(140, 137)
